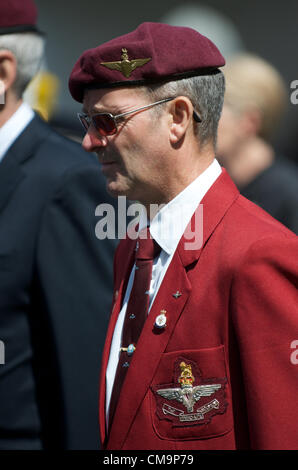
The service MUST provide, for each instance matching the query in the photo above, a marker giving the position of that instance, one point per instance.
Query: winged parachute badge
(189, 395)
(125, 66)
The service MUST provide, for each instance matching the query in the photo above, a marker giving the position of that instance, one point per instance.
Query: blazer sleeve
(265, 315)
(74, 277)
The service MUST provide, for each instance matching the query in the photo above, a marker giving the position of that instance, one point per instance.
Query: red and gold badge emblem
(191, 398)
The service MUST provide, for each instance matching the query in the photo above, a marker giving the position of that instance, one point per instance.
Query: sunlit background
(268, 28)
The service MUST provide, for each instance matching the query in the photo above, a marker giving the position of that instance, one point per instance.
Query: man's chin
(115, 190)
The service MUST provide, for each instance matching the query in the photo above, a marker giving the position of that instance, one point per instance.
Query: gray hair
(206, 92)
(28, 49)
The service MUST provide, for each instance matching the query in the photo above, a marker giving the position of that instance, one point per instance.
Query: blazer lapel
(10, 176)
(153, 342)
(207, 217)
(11, 173)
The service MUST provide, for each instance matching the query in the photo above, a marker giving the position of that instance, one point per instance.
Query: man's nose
(93, 140)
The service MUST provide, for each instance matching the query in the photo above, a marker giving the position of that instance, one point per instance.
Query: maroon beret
(154, 52)
(17, 16)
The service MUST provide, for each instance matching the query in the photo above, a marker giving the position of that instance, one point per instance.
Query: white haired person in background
(55, 277)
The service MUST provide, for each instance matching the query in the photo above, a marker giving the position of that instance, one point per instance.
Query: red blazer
(228, 335)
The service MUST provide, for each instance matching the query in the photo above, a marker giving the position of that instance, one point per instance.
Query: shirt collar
(15, 125)
(169, 224)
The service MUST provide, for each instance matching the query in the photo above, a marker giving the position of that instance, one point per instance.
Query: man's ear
(181, 110)
(8, 69)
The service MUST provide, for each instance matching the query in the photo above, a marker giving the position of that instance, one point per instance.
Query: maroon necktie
(137, 310)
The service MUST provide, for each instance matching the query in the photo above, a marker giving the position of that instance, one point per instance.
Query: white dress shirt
(15, 125)
(166, 228)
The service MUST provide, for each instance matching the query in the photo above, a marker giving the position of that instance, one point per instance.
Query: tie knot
(147, 248)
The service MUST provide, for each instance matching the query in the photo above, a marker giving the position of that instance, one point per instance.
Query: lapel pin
(129, 350)
(161, 320)
(177, 294)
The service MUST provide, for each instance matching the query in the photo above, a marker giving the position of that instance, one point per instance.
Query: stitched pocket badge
(190, 399)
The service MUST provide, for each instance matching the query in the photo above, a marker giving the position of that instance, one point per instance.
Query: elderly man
(54, 273)
(198, 350)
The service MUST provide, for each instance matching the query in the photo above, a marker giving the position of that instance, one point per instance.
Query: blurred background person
(210, 22)
(55, 275)
(42, 93)
(255, 103)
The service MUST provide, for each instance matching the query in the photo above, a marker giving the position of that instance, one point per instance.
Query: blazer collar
(23, 148)
(28, 141)
(152, 343)
(206, 218)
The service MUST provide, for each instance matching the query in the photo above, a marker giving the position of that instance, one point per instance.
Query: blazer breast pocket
(190, 395)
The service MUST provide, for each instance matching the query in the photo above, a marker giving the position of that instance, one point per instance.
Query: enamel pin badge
(185, 403)
(161, 320)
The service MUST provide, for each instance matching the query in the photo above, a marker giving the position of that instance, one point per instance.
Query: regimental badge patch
(190, 399)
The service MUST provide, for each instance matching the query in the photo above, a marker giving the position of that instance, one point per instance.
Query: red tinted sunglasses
(106, 123)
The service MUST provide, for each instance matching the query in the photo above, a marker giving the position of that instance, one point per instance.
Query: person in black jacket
(55, 275)
(254, 106)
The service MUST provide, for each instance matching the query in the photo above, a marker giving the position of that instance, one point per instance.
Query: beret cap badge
(149, 54)
(125, 66)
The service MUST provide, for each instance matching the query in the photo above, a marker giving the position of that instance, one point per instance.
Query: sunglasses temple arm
(142, 108)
